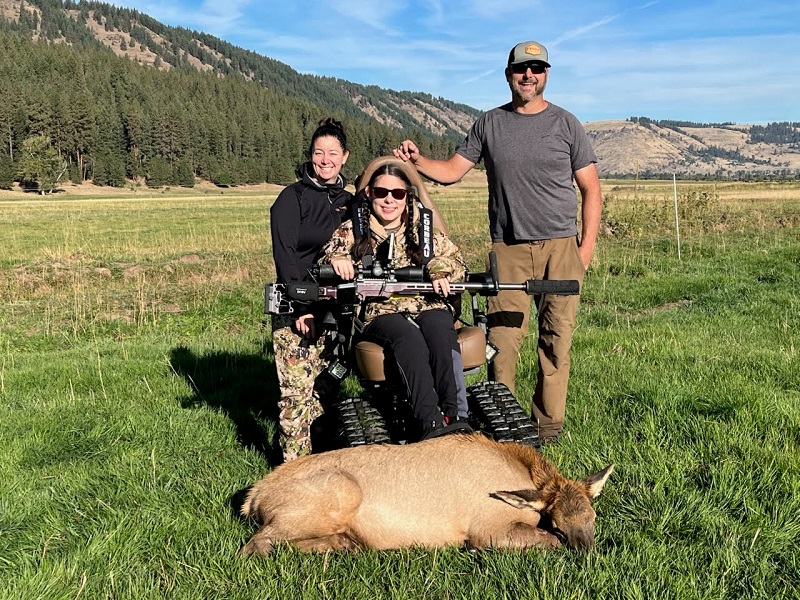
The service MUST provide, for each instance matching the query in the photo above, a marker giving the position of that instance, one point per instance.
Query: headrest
(407, 168)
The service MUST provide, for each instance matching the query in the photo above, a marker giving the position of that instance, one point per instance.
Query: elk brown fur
(448, 491)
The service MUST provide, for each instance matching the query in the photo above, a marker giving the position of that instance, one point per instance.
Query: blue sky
(703, 61)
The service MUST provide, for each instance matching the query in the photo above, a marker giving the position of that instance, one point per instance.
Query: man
(532, 150)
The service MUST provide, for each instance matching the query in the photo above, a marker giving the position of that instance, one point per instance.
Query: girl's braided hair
(364, 239)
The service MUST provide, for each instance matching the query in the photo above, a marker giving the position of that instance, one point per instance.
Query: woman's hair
(364, 240)
(329, 127)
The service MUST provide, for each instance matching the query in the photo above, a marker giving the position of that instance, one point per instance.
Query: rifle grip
(493, 271)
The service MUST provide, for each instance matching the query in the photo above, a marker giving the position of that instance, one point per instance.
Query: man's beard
(527, 96)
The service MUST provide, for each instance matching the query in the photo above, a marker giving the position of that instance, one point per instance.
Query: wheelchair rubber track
(361, 423)
(498, 410)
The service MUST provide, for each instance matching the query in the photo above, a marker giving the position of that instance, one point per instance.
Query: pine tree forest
(112, 121)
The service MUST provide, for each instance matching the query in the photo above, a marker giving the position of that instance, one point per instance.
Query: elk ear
(598, 480)
(522, 499)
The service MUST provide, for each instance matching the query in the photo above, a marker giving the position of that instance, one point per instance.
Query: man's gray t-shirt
(530, 161)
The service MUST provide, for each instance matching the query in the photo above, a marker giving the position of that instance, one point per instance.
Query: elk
(460, 489)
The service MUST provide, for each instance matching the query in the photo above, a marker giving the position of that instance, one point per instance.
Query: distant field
(137, 401)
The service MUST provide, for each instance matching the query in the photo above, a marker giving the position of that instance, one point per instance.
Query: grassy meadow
(137, 402)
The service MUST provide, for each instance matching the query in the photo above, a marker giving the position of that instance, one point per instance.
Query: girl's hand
(441, 285)
(344, 268)
(305, 325)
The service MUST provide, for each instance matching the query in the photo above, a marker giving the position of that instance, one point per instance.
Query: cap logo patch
(533, 49)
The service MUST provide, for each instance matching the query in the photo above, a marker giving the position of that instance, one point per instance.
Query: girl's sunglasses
(382, 192)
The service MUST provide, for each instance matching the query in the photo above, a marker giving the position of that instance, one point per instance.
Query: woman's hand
(305, 325)
(441, 283)
(343, 267)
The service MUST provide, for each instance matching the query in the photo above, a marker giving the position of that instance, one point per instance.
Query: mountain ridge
(637, 146)
(640, 146)
(132, 34)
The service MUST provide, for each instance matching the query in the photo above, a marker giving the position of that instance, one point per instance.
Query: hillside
(649, 148)
(242, 145)
(142, 39)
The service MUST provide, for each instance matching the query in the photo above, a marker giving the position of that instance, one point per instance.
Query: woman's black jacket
(302, 219)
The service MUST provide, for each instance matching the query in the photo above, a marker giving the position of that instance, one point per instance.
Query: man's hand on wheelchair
(344, 268)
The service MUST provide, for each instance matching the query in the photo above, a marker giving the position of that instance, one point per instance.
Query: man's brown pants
(509, 312)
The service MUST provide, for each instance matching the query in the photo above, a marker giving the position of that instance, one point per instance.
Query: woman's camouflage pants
(299, 363)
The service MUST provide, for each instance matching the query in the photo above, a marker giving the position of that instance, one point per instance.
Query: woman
(302, 219)
(418, 330)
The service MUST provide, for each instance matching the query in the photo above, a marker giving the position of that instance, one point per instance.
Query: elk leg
(524, 535)
(260, 544)
(313, 514)
(517, 536)
(336, 542)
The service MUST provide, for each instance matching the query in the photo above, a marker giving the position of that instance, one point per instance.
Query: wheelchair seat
(369, 356)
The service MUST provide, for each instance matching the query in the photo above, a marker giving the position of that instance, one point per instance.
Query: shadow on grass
(242, 386)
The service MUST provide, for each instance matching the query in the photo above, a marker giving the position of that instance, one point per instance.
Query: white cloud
(379, 16)
(211, 16)
(479, 76)
(580, 31)
(519, 10)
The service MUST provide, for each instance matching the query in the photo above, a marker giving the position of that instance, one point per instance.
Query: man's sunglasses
(382, 192)
(535, 67)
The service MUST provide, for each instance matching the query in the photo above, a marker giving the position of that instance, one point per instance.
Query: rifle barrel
(566, 287)
(379, 287)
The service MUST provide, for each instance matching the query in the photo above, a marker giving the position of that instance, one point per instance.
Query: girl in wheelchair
(418, 331)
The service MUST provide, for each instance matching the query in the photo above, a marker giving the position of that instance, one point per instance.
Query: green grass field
(137, 402)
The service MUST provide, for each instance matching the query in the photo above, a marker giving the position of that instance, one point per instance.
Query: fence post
(677, 226)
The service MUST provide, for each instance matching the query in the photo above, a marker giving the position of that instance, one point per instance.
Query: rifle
(375, 282)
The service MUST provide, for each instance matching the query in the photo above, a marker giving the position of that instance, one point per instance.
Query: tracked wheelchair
(382, 413)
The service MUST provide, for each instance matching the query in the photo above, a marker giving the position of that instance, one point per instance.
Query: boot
(446, 426)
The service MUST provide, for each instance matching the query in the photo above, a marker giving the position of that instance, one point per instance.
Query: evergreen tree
(7, 113)
(136, 127)
(108, 169)
(6, 173)
(159, 172)
(220, 175)
(184, 176)
(39, 164)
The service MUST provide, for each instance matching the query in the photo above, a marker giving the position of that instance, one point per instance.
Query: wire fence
(652, 212)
